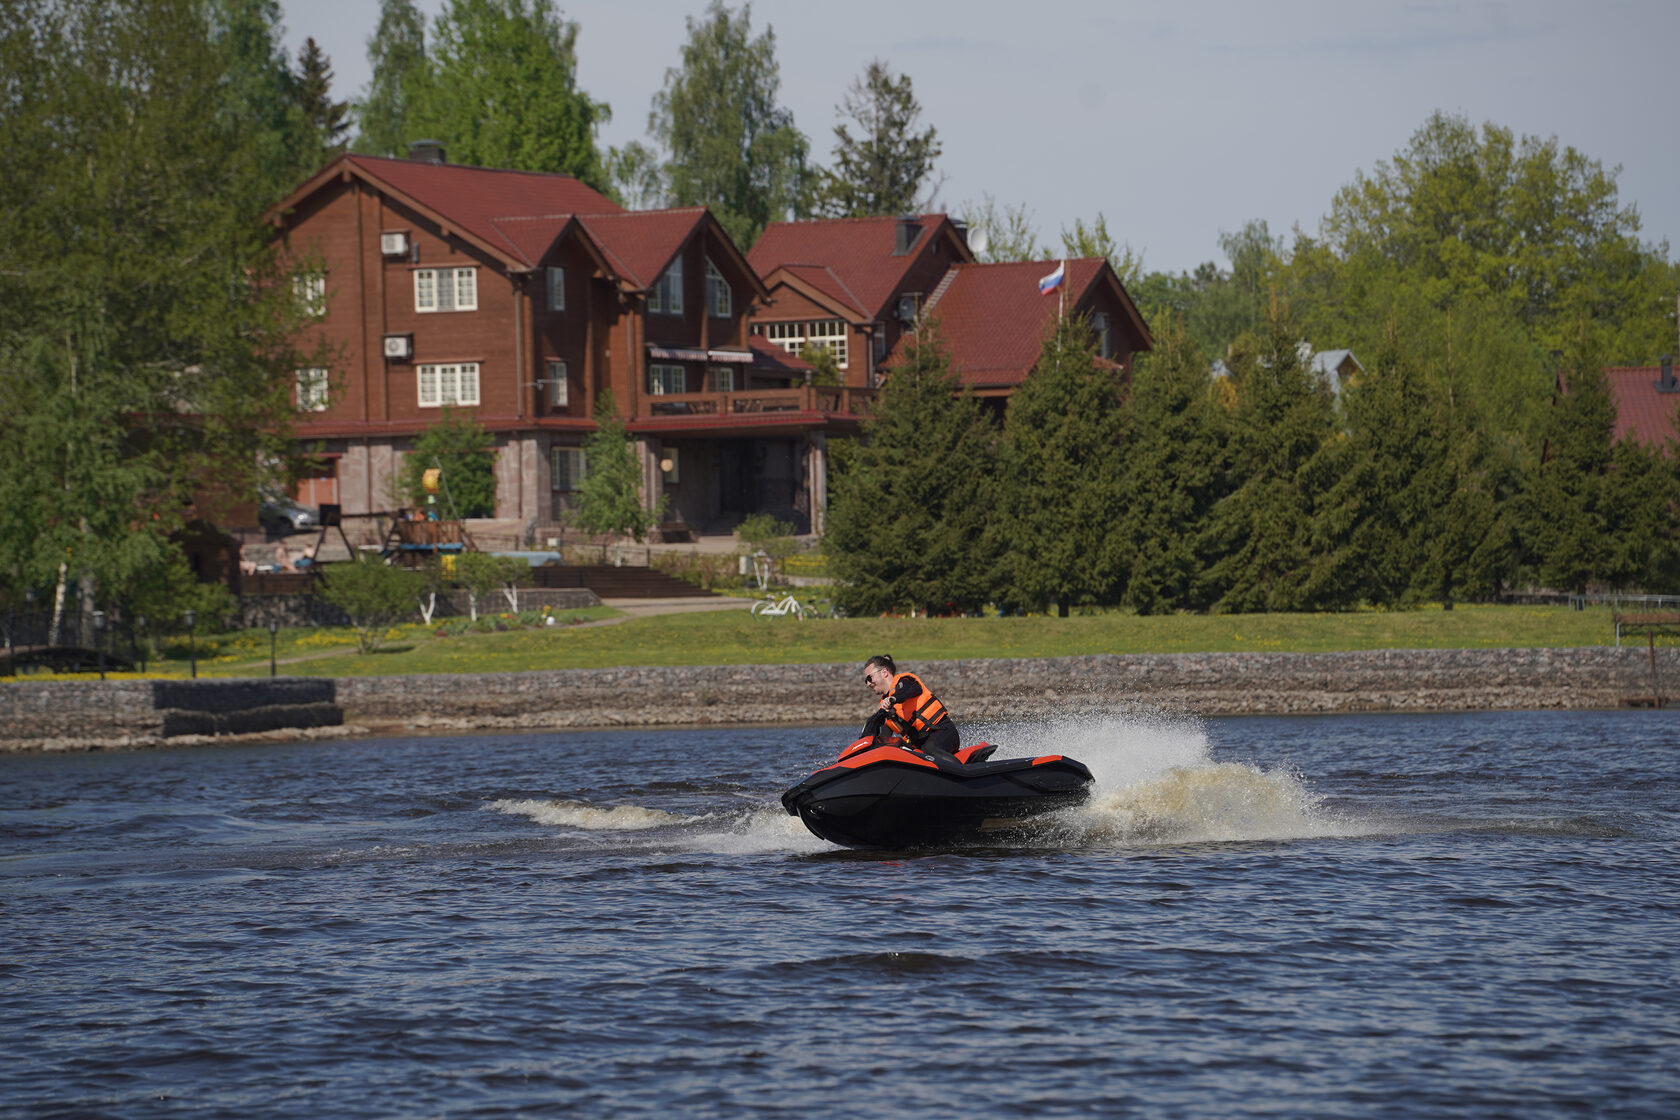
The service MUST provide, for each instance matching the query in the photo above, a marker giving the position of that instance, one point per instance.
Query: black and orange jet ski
(894, 796)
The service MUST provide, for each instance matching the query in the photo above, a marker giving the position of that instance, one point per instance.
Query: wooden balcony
(827, 400)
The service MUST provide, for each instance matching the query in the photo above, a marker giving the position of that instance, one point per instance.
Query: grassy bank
(735, 638)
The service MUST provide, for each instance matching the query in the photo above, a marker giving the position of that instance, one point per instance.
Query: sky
(1174, 121)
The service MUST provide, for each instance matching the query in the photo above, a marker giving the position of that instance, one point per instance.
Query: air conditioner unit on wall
(394, 244)
(399, 346)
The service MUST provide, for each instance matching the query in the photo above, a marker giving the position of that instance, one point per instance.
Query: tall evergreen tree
(501, 90)
(1257, 544)
(1567, 520)
(326, 119)
(732, 147)
(910, 508)
(1173, 456)
(397, 53)
(610, 495)
(1059, 496)
(883, 169)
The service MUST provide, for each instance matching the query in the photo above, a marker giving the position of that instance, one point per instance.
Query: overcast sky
(1176, 121)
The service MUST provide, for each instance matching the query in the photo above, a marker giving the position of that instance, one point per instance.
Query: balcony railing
(832, 399)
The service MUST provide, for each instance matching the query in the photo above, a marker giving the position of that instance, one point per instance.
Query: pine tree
(1566, 518)
(1173, 456)
(610, 495)
(325, 117)
(1059, 496)
(881, 170)
(1257, 544)
(910, 510)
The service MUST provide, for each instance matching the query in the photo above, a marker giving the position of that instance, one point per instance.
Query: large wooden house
(520, 298)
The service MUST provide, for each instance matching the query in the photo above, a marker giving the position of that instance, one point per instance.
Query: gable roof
(857, 252)
(1643, 410)
(819, 284)
(994, 321)
(641, 243)
(518, 216)
(469, 201)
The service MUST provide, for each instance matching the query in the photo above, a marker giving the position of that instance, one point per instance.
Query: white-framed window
(453, 384)
(566, 467)
(1105, 334)
(665, 297)
(830, 334)
(663, 380)
(557, 289)
(446, 289)
(719, 300)
(720, 379)
(313, 389)
(879, 340)
(310, 288)
(558, 394)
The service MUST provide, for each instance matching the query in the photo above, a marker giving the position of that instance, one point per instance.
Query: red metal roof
(1651, 416)
(474, 197)
(822, 279)
(768, 357)
(640, 244)
(993, 319)
(857, 251)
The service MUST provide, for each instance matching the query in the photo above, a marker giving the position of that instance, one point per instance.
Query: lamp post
(29, 614)
(99, 639)
(273, 629)
(140, 625)
(192, 640)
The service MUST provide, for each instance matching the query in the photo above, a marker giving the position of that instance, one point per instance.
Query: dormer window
(665, 297)
(719, 300)
(557, 289)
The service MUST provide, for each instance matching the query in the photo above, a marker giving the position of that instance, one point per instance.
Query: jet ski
(894, 796)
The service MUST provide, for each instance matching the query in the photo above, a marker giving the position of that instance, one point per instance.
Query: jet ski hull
(891, 797)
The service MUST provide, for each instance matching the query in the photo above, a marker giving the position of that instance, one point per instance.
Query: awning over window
(674, 354)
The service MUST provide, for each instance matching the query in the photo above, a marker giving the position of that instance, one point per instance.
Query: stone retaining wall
(68, 714)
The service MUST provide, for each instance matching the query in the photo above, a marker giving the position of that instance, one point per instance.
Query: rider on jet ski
(908, 709)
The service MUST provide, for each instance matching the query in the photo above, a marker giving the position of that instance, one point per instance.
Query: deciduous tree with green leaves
(465, 454)
(397, 56)
(136, 282)
(373, 594)
(500, 90)
(731, 146)
(908, 513)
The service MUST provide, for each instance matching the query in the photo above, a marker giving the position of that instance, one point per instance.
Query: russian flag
(1050, 283)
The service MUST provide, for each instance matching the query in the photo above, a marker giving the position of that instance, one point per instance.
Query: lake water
(1447, 915)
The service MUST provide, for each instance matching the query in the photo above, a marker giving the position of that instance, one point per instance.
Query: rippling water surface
(1455, 915)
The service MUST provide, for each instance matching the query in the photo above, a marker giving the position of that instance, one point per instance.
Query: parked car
(283, 515)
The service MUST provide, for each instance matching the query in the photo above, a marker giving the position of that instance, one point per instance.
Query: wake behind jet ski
(894, 796)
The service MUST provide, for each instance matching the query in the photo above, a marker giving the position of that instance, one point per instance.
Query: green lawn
(735, 638)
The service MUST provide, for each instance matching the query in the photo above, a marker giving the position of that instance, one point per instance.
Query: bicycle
(787, 604)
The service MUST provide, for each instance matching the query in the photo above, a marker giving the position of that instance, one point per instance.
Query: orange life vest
(916, 716)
